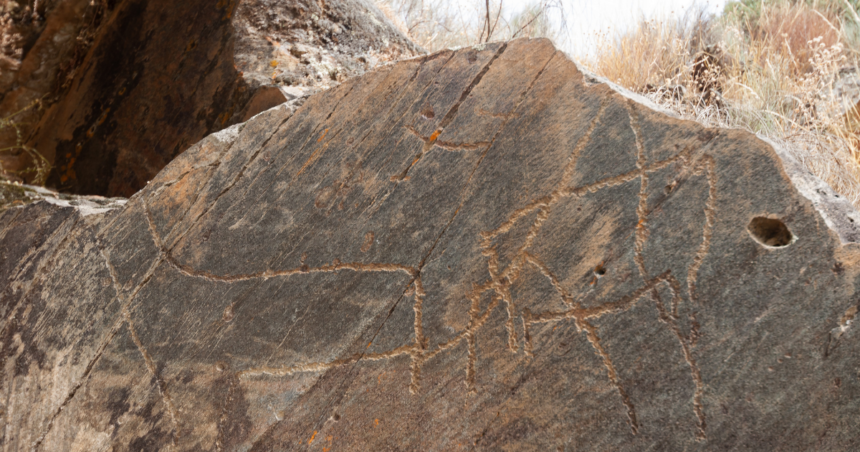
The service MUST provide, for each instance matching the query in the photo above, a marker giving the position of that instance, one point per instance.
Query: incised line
(708, 166)
(449, 116)
(150, 365)
(670, 317)
(500, 280)
(125, 307)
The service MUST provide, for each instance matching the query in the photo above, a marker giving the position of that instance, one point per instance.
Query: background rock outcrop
(477, 249)
(127, 85)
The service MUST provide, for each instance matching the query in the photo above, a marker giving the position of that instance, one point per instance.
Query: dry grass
(441, 24)
(655, 54)
(774, 68)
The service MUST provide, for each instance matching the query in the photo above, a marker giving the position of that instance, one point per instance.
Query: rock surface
(477, 249)
(129, 84)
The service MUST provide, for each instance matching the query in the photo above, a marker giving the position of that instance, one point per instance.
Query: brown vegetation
(441, 24)
(786, 70)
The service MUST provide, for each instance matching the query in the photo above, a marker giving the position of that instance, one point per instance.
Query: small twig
(853, 13)
(534, 18)
(499, 14)
(825, 19)
(487, 3)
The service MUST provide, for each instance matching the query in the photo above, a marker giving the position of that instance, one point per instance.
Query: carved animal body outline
(502, 279)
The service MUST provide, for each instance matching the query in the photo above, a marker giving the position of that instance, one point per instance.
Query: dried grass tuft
(774, 68)
(441, 24)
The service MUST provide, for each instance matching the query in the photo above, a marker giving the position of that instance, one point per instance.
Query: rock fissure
(449, 116)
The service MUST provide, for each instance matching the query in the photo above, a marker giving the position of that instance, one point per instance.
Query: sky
(586, 18)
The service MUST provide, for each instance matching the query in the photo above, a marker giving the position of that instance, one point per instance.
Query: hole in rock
(600, 270)
(427, 112)
(770, 232)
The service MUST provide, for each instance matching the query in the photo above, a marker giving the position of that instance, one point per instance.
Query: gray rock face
(476, 249)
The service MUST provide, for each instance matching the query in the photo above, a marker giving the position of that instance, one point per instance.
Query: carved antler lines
(502, 279)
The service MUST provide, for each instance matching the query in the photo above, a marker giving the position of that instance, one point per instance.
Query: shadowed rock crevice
(155, 77)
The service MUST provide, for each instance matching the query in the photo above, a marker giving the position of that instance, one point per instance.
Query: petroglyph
(500, 280)
(432, 140)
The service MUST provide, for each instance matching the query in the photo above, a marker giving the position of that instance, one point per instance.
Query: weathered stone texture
(477, 249)
(153, 77)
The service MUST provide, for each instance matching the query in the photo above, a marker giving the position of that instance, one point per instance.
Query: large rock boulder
(126, 85)
(477, 249)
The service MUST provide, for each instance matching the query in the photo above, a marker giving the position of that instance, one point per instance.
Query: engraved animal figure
(501, 279)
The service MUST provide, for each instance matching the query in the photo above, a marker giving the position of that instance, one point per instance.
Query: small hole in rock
(770, 232)
(427, 112)
(600, 270)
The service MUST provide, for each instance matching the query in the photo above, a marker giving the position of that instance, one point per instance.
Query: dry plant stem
(439, 24)
(489, 32)
(40, 165)
(776, 73)
(851, 10)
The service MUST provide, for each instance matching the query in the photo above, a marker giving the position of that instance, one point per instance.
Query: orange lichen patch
(103, 117)
(315, 155)
(312, 437)
(223, 117)
(274, 63)
(323, 135)
(435, 135)
(368, 242)
(376, 422)
(230, 5)
(68, 155)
